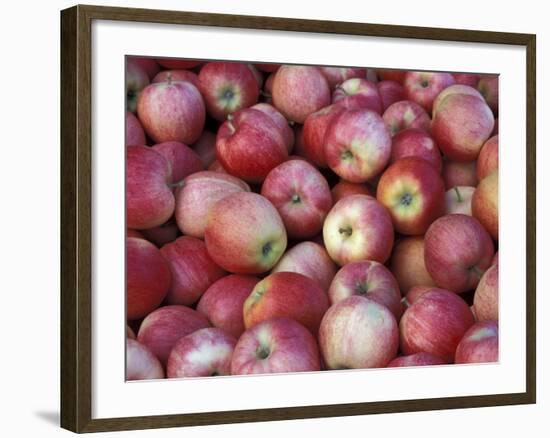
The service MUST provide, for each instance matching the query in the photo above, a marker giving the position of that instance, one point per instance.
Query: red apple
(423, 87)
(368, 279)
(245, 234)
(414, 194)
(313, 134)
(391, 75)
(205, 147)
(177, 75)
(198, 195)
(286, 294)
(357, 145)
(268, 68)
(149, 198)
(162, 328)
(150, 66)
(470, 79)
(357, 332)
(267, 92)
(136, 80)
(459, 174)
(178, 64)
(141, 364)
(134, 233)
(406, 114)
(147, 277)
(416, 292)
(415, 360)
(280, 121)
(458, 200)
(227, 87)
(486, 295)
(488, 87)
(216, 166)
(301, 195)
(479, 344)
(454, 89)
(344, 188)
(485, 204)
(134, 132)
(250, 144)
(487, 161)
(223, 301)
(172, 111)
(337, 75)
(390, 92)
(461, 125)
(278, 345)
(183, 160)
(358, 228)
(299, 91)
(407, 264)
(435, 324)
(162, 234)
(457, 252)
(309, 259)
(206, 352)
(358, 93)
(413, 142)
(193, 271)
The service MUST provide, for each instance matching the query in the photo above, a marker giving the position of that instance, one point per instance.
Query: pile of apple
(298, 218)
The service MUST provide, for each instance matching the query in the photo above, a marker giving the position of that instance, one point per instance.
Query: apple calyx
(406, 199)
(362, 288)
(347, 155)
(475, 270)
(347, 231)
(262, 352)
(296, 198)
(424, 83)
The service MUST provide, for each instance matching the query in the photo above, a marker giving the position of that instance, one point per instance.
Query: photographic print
(304, 218)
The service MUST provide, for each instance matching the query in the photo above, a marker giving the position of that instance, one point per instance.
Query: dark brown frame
(76, 224)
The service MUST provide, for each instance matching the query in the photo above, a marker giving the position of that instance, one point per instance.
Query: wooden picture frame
(76, 226)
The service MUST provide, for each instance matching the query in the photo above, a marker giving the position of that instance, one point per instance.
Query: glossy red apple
(223, 301)
(459, 174)
(150, 66)
(227, 87)
(193, 271)
(134, 131)
(358, 228)
(357, 332)
(454, 89)
(183, 160)
(457, 252)
(301, 195)
(299, 91)
(280, 121)
(172, 111)
(344, 188)
(406, 114)
(461, 126)
(149, 198)
(177, 75)
(309, 259)
(390, 92)
(286, 294)
(470, 79)
(205, 147)
(435, 323)
(164, 327)
(278, 345)
(413, 142)
(423, 87)
(204, 353)
(414, 194)
(337, 75)
(357, 145)
(479, 344)
(245, 234)
(148, 277)
(250, 144)
(198, 195)
(314, 131)
(370, 280)
(358, 93)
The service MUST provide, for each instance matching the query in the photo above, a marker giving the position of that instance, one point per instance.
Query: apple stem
(458, 195)
(176, 185)
(169, 78)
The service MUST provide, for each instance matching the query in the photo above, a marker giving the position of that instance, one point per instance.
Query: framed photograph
(304, 213)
